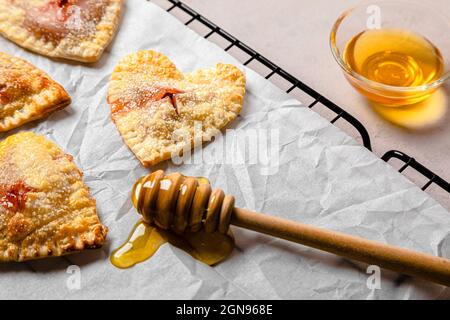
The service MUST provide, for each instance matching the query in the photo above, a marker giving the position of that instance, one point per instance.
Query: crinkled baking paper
(318, 175)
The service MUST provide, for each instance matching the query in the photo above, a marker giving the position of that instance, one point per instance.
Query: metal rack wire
(294, 83)
(413, 163)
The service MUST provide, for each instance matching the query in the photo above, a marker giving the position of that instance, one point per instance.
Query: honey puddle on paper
(146, 239)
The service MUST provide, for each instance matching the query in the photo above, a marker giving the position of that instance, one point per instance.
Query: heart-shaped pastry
(26, 93)
(70, 29)
(161, 112)
(45, 208)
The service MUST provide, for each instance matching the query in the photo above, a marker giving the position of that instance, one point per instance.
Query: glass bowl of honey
(395, 53)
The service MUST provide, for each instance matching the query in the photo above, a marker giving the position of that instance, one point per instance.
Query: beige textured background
(294, 34)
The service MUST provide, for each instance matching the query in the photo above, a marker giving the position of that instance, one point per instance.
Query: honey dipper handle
(398, 259)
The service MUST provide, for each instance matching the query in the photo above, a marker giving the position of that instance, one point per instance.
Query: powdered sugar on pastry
(152, 101)
(45, 208)
(26, 93)
(71, 29)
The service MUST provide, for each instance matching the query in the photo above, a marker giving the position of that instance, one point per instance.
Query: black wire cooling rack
(189, 16)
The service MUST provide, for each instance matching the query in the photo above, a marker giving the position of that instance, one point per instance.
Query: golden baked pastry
(160, 111)
(26, 93)
(45, 208)
(70, 29)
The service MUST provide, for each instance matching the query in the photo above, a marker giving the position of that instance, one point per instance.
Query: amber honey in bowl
(393, 58)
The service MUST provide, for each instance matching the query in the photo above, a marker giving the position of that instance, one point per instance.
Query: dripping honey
(145, 240)
(403, 61)
(147, 237)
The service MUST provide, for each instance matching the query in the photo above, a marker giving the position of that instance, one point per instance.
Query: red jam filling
(51, 21)
(13, 197)
(58, 9)
(143, 97)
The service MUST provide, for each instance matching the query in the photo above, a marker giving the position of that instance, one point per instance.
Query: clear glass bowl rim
(337, 56)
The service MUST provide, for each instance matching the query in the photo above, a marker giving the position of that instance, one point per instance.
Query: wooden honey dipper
(184, 203)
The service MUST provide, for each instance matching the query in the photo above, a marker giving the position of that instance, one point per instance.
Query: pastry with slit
(68, 29)
(161, 112)
(45, 208)
(26, 93)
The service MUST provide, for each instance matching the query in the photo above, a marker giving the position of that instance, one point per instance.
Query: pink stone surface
(295, 35)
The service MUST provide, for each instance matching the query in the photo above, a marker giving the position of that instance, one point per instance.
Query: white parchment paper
(324, 178)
